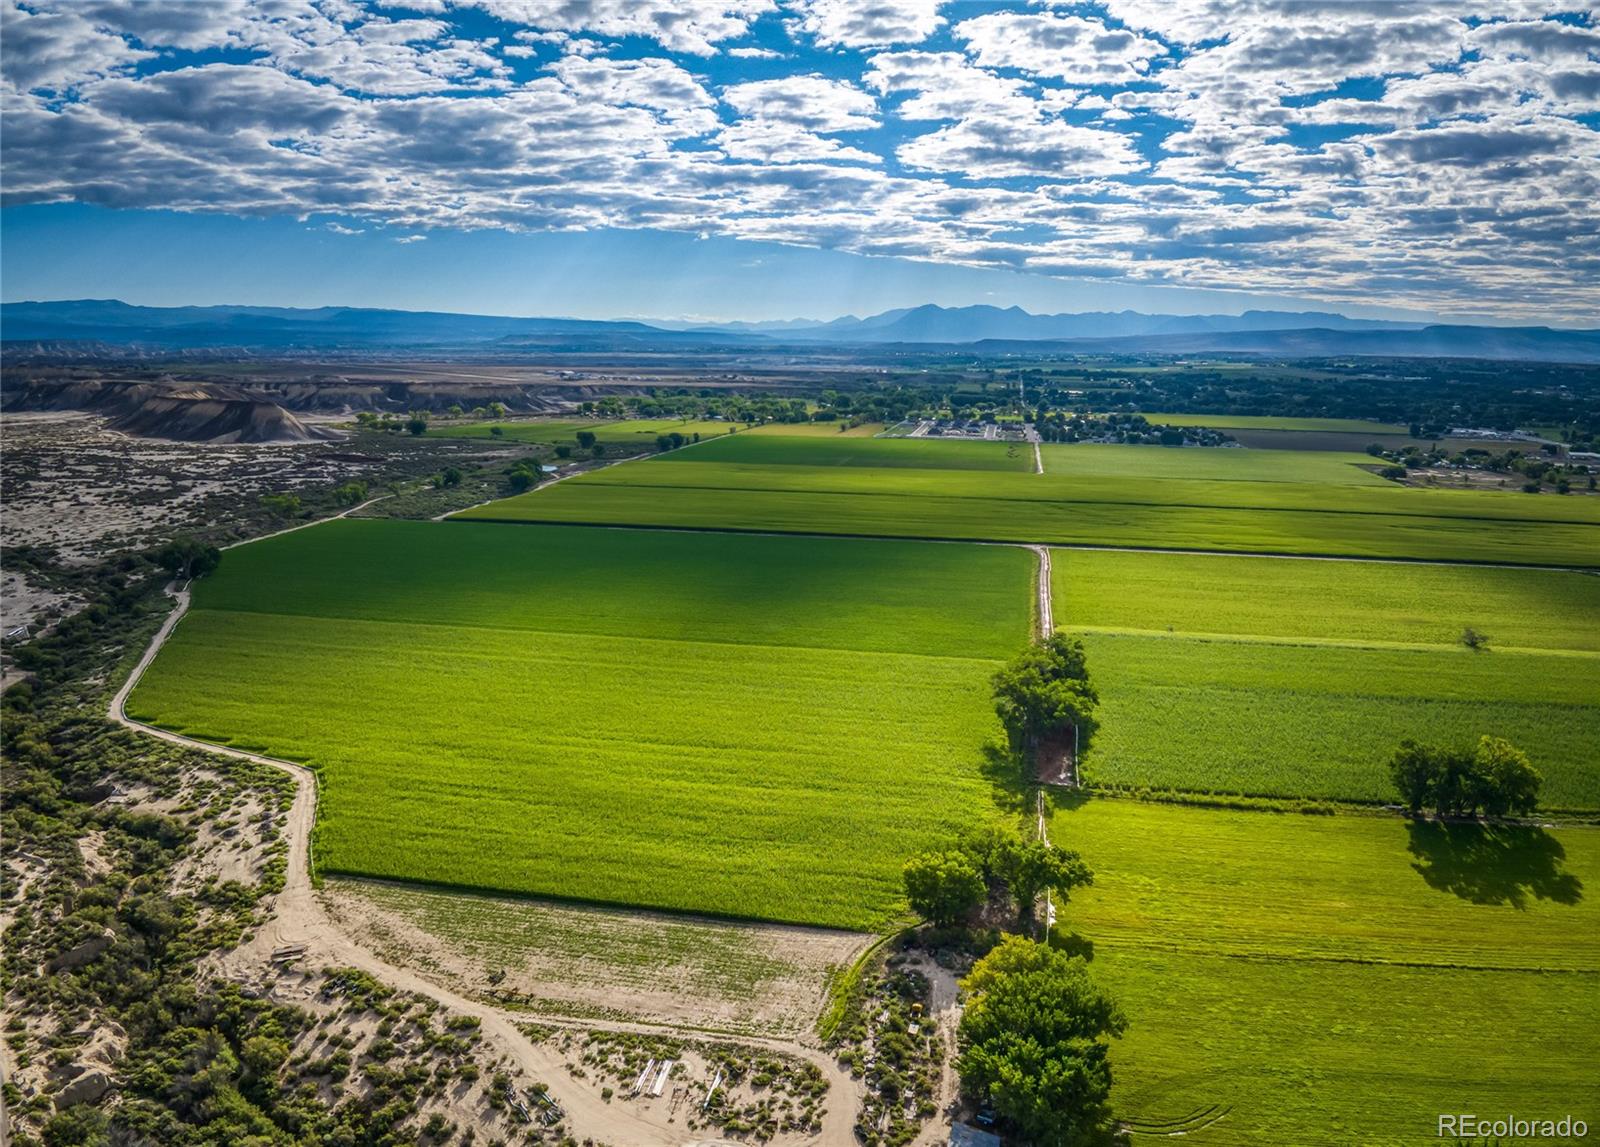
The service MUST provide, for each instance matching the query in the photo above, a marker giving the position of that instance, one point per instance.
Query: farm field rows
(689, 470)
(1284, 970)
(782, 780)
(1062, 523)
(1248, 501)
(637, 433)
(1350, 601)
(1274, 422)
(1296, 678)
(778, 449)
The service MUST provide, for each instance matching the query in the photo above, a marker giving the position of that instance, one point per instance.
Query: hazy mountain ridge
(982, 328)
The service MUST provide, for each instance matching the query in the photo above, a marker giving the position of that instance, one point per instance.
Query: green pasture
(1275, 422)
(1181, 527)
(1290, 678)
(1379, 602)
(778, 449)
(638, 432)
(1307, 720)
(1218, 463)
(759, 730)
(1334, 980)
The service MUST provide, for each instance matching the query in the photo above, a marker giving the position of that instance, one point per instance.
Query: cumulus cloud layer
(1440, 153)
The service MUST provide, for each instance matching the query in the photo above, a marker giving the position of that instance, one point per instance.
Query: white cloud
(812, 102)
(693, 26)
(1072, 48)
(868, 23)
(1454, 168)
(1005, 149)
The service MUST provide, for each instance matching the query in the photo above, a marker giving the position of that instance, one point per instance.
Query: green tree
(523, 477)
(1508, 782)
(281, 505)
(1045, 692)
(1493, 777)
(416, 425)
(586, 439)
(1035, 1041)
(943, 886)
(450, 477)
(1031, 866)
(563, 451)
(187, 557)
(1413, 768)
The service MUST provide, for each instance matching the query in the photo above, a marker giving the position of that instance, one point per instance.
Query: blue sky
(718, 159)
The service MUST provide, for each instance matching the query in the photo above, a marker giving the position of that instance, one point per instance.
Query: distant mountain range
(978, 329)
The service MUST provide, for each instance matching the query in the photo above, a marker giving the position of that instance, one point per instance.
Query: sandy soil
(592, 962)
(301, 920)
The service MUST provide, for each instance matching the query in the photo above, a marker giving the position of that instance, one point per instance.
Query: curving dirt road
(1047, 620)
(300, 919)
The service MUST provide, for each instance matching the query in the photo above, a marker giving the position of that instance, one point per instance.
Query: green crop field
(1334, 980)
(1320, 720)
(875, 453)
(1297, 678)
(1342, 601)
(815, 430)
(1220, 463)
(633, 433)
(631, 495)
(759, 727)
(1272, 422)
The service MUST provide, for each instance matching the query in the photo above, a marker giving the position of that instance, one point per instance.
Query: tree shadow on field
(1492, 863)
(1011, 775)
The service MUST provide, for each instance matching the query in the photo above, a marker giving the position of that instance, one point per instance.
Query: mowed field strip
(1291, 502)
(1297, 679)
(751, 727)
(1287, 971)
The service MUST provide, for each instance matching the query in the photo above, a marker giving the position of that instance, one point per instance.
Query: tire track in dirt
(300, 919)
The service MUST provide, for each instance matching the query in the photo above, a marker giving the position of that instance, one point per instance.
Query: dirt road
(1047, 621)
(300, 919)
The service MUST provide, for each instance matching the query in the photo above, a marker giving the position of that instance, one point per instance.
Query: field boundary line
(1033, 501)
(1024, 543)
(1335, 642)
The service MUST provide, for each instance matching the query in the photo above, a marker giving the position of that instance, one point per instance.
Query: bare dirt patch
(598, 963)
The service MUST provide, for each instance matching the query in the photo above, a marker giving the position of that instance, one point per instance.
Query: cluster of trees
(948, 886)
(1129, 429)
(1045, 694)
(1035, 1043)
(1538, 470)
(187, 557)
(1435, 394)
(1493, 777)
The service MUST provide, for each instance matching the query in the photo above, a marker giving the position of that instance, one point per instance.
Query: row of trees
(949, 886)
(1493, 777)
(1035, 1043)
(1045, 694)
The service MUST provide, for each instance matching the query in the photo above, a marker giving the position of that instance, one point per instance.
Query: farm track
(1046, 615)
(299, 919)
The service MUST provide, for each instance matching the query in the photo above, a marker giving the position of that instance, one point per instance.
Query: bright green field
(640, 433)
(1268, 422)
(1218, 463)
(1335, 980)
(1343, 601)
(760, 727)
(1320, 720)
(876, 453)
(630, 501)
(1297, 678)
(1262, 501)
